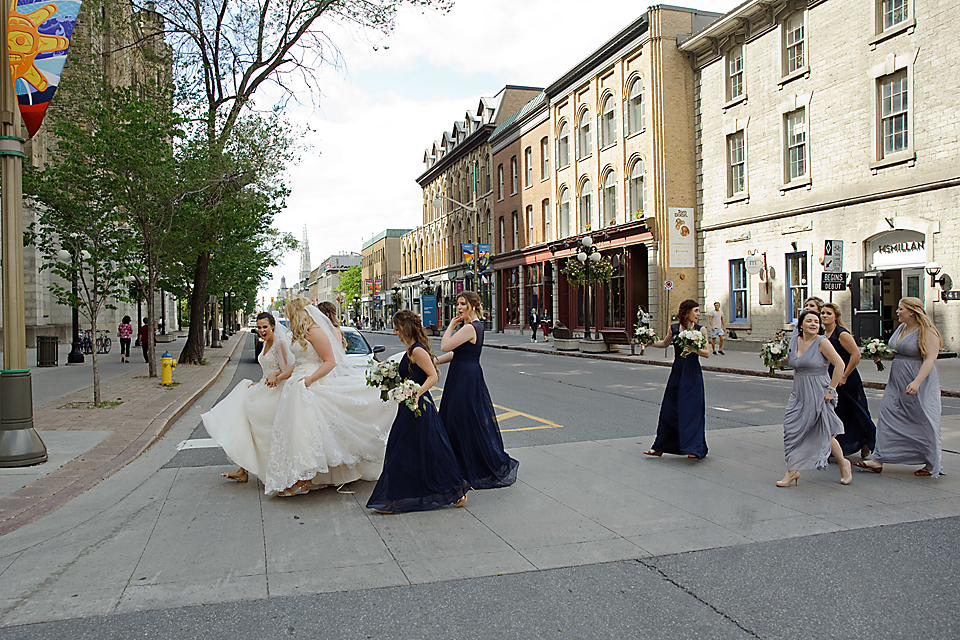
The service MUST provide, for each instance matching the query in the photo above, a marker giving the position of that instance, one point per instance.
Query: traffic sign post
(833, 257)
(833, 281)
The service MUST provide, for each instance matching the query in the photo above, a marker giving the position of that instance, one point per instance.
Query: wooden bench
(615, 338)
(563, 339)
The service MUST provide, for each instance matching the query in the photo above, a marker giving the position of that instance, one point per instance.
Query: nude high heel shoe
(789, 479)
(846, 474)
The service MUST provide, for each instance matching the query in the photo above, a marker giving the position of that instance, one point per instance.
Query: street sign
(833, 281)
(668, 285)
(833, 258)
(753, 264)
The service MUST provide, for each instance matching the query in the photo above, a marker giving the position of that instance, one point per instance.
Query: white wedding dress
(242, 423)
(333, 432)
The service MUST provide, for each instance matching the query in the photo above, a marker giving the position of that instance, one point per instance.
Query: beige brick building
(829, 120)
(380, 265)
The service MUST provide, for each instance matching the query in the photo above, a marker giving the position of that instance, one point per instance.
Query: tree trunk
(96, 364)
(193, 349)
(152, 317)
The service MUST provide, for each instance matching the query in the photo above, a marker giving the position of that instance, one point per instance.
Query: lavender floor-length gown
(809, 422)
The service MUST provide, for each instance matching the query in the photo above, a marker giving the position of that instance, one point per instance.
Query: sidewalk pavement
(86, 446)
(740, 357)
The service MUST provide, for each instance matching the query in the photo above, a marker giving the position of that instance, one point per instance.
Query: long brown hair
(685, 308)
(926, 325)
(329, 309)
(408, 325)
(836, 313)
(473, 300)
(803, 316)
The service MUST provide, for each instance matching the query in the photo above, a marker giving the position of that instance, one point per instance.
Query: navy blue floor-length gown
(420, 471)
(858, 428)
(468, 416)
(681, 429)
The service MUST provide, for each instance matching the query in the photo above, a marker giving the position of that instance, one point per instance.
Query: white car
(358, 349)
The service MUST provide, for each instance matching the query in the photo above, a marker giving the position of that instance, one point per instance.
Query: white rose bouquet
(645, 337)
(406, 393)
(691, 338)
(384, 376)
(772, 353)
(877, 348)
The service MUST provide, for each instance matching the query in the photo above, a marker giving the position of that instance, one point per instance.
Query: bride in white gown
(330, 427)
(242, 423)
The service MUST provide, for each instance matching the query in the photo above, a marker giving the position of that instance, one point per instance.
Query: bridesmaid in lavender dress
(810, 425)
(908, 429)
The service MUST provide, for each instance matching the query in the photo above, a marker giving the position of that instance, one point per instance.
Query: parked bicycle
(102, 343)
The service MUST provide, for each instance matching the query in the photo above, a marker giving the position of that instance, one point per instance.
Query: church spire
(305, 257)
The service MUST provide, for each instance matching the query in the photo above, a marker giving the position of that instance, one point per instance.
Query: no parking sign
(668, 285)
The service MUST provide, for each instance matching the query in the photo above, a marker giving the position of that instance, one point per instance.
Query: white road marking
(199, 443)
(721, 409)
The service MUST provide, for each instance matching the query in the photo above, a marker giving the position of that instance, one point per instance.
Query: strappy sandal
(236, 475)
(868, 467)
(923, 472)
(296, 490)
(651, 452)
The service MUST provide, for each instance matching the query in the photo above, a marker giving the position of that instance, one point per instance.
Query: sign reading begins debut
(833, 281)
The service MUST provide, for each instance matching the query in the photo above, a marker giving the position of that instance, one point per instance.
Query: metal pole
(20, 445)
(76, 353)
(163, 313)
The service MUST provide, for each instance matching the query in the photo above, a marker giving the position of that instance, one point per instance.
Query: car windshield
(356, 344)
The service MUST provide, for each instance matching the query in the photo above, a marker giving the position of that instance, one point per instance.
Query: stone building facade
(380, 265)
(827, 120)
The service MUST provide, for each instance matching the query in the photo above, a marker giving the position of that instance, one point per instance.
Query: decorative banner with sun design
(38, 40)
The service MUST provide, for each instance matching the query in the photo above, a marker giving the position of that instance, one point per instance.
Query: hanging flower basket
(574, 271)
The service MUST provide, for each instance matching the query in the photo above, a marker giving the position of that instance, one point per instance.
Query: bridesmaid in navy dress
(859, 432)
(420, 471)
(681, 429)
(466, 410)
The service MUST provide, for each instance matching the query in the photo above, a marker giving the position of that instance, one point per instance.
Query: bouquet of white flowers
(384, 376)
(877, 348)
(772, 353)
(693, 339)
(645, 337)
(406, 393)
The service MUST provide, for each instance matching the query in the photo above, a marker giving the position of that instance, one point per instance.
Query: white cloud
(379, 113)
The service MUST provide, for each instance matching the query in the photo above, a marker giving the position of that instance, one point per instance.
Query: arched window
(563, 146)
(609, 121)
(638, 190)
(585, 214)
(565, 228)
(636, 119)
(584, 137)
(609, 199)
(488, 228)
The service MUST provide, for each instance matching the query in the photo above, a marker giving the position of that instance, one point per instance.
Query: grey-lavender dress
(908, 429)
(809, 422)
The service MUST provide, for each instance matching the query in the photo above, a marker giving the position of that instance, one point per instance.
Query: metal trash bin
(47, 351)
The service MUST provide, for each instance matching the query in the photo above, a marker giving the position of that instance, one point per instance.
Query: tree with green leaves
(351, 283)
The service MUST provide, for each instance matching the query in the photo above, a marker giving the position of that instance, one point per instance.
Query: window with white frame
(795, 146)
(487, 176)
(636, 119)
(503, 237)
(489, 228)
(585, 214)
(609, 199)
(736, 164)
(513, 175)
(516, 231)
(544, 158)
(528, 166)
(584, 139)
(563, 146)
(797, 288)
(638, 189)
(529, 213)
(499, 182)
(893, 13)
(734, 67)
(794, 43)
(565, 227)
(738, 290)
(609, 121)
(894, 113)
(545, 213)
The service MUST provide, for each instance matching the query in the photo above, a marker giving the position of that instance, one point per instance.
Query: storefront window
(533, 285)
(511, 296)
(615, 293)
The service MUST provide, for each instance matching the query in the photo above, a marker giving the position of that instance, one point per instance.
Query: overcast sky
(394, 96)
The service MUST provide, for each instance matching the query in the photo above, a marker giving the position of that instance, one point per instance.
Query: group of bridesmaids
(827, 413)
(311, 421)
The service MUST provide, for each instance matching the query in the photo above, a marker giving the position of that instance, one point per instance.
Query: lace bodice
(268, 361)
(307, 359)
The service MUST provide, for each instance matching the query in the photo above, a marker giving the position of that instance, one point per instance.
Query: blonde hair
(300, 320)
(836, 313)
(926, 326)
(819, 302)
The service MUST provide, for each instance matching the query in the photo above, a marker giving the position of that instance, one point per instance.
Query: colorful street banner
(369, 283)
(484, 251)
(467, 248)
(39, 37)
(378, 286)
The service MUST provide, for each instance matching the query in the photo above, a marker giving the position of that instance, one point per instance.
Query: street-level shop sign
(681, 237)
(753, 264)
(833, 281)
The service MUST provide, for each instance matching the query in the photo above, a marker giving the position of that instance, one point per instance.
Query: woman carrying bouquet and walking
(420, 471)
(682, 422)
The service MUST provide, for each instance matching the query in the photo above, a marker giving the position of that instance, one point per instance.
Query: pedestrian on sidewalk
(908, 428)
(420, 470)
(717, 328)
(144, 336)
(859, 432)
(545, 325)
(125, 332)
(467, 411)
(810, 304)
(810, 424)
(682, 425)
(534, 323)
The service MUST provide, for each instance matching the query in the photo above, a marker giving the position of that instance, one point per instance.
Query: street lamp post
(437, 202)
(76, 352)
(588, 253)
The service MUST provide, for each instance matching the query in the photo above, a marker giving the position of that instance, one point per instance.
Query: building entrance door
(866, 297)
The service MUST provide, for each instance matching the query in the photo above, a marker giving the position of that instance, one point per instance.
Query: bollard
(20, 444)
(169, 364)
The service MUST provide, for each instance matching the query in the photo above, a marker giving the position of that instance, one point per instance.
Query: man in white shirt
(717, 327)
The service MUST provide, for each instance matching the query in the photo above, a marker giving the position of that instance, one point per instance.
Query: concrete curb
(68, 484)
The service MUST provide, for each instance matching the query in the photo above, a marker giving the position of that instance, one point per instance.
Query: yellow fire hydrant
(169, 364)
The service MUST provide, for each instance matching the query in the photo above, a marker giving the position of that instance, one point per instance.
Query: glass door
(866, 297)
(912, 283)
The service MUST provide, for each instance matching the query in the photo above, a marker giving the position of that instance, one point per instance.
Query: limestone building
(380, 271)
(827, 120)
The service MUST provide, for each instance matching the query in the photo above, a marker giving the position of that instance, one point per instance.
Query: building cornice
(474, 141)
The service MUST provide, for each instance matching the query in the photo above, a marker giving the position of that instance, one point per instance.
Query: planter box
(566, 344)
(165, 338)
(593, 346)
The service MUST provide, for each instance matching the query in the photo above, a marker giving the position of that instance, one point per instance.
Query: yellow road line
(512, 413)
